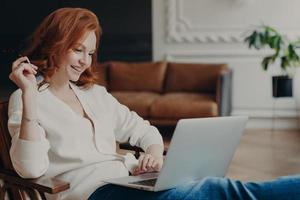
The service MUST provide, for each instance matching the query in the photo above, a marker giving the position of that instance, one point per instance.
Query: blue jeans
(209, 188)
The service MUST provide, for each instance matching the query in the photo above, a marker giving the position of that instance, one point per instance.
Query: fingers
(148, 163)
(136, 171)
(21, 60)
(23, 74)
(28, 69)
(144, 161)
(141, 158)
(155, 165)
(20, 65)
(25, 68)
(17, 62)
(21, 71)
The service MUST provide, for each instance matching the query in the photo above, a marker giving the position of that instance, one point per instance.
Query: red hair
(56, 35)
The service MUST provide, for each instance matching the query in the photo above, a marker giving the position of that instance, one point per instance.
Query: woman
(66, 126)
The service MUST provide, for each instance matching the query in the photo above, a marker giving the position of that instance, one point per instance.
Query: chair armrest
(137, 150)
(224, 92)
(42, 184)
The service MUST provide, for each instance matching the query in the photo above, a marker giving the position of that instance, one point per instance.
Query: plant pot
(282, 86)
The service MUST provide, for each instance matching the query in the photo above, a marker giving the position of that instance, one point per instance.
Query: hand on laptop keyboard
(148, 163)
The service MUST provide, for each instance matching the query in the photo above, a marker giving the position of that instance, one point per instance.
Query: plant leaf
(284, 50)
(265, 62)
(284, 62)
(257, 42)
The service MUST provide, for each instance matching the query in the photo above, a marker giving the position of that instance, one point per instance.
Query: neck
(59, 83)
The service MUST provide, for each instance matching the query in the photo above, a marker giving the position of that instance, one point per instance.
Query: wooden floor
(264, 155)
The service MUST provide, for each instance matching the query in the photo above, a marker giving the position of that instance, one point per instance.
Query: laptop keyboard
(149, 182)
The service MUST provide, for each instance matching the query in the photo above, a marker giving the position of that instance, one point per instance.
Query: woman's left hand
(148, 163)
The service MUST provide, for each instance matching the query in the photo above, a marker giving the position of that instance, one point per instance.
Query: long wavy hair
(56, 35)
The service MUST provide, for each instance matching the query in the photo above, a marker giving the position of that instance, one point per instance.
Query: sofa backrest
(187, 77)
(101, 74)
(159, 76)
(139, 76)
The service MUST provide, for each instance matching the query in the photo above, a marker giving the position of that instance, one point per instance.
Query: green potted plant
(285, 53)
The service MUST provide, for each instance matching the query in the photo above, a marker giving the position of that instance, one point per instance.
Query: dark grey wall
(126, 27)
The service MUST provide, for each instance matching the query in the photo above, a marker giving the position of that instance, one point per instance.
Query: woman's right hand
(23, 74)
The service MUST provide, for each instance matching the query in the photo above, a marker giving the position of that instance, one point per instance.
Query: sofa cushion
(100, 72)
(184, 105)
(137, 101)
(193, 77)
(142, 76)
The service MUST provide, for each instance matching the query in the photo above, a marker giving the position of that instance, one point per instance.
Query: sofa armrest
(42, 184)
(224, 93)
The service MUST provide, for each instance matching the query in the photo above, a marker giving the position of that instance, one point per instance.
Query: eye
(91, 54)
(78, 50)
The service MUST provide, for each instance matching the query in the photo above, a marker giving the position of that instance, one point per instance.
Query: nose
(84, 59)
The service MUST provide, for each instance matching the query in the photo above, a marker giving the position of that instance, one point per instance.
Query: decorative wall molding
(180, 29)
(228, 53)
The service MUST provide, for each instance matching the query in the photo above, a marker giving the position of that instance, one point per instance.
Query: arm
(29, 150)
(130, 127)
(29, 157)
(23, 76)
(29, 127)
(42, 184)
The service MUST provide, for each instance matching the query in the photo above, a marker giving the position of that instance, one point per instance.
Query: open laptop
(199, 147)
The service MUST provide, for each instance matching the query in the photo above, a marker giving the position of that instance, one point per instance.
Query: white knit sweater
(70, 148)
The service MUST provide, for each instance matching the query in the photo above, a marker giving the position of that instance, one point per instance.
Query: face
(79, 58)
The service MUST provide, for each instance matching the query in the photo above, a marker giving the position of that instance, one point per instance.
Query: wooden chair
(15, 187)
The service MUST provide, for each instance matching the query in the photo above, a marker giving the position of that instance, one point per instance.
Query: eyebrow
(84, 46)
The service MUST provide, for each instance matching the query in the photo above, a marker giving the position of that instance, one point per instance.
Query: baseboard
(274, 123)
(284, 119)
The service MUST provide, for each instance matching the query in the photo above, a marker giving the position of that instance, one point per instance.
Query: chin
(74, 78)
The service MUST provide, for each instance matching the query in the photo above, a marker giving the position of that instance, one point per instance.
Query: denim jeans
(210, 188)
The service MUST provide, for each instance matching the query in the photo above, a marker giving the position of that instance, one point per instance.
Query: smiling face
(78, 58)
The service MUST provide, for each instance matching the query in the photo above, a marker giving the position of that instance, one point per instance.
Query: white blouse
(71, 148)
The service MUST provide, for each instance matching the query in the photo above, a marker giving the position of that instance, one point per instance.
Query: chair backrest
(5, 138)
(5, 161)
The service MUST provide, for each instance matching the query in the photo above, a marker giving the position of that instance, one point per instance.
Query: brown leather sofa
(163, 92)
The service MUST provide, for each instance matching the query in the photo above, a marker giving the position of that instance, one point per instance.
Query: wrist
(29, 88)
(29, 99)
(155, 150)
(29, 119)
(29, 92)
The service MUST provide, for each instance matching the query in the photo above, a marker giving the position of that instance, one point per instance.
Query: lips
(77, 69)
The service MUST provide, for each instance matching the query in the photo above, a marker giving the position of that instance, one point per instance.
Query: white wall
(213, 31)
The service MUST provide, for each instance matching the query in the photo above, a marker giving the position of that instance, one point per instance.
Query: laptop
(199, 147)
